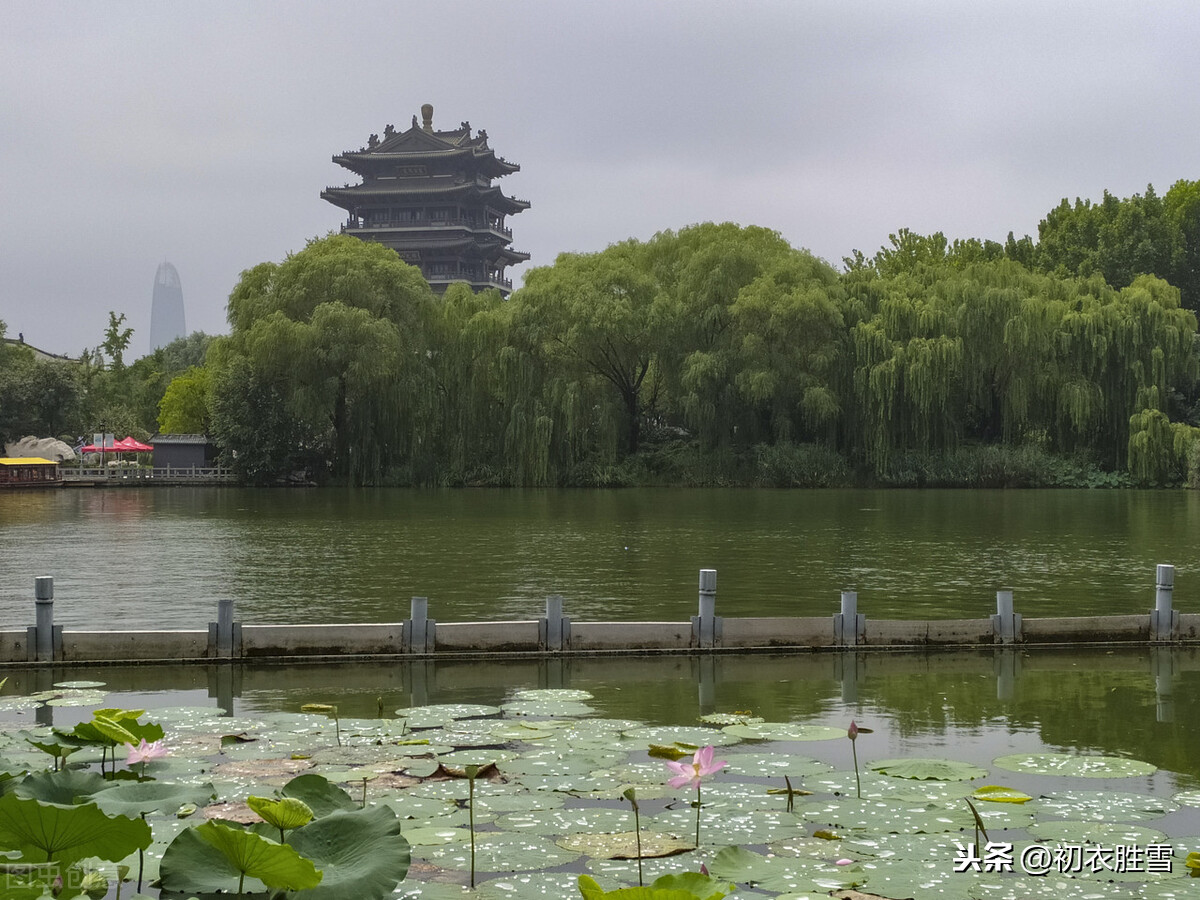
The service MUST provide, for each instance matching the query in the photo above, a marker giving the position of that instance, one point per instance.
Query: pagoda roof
(467, 247)
(438, 187)
(420, 143)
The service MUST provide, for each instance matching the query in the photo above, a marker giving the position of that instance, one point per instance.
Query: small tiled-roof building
(183, 451)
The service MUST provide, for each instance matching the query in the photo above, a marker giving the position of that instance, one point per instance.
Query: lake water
(163, 557)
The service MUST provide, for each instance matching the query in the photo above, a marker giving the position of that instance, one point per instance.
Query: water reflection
(971, 704)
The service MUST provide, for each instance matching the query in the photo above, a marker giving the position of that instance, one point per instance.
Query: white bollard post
(848, 625)
(225, 627)
(43, 594)
(418, 626)
(1006, 624)
(704, 623)
(1162, 620)
(554, 631)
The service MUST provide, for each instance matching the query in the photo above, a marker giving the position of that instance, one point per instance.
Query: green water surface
(162, 557)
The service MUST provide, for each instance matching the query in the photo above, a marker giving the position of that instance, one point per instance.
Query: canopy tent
(125, 445)
(132, 445)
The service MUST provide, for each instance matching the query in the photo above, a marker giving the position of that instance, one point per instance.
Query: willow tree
(599, 320)
(336, 335)
(469, 354)
(756, 327)
(990, 351)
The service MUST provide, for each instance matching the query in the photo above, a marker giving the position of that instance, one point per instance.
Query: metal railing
(161, 473)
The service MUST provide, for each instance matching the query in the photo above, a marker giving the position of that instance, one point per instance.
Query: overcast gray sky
(201, 133)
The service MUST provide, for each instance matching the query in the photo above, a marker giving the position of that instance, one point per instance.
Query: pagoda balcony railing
(425, 225)
(446, 278)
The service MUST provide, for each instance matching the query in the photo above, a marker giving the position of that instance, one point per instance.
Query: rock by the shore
(46, 448)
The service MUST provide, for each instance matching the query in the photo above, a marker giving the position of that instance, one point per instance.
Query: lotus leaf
(731, 824)
(556, 822)
(1078, 765)
(723, 719)
(928, 769)
(624, 844)
(994, 793)
(673, 886)
(77, 698)
(436, 715)
(285, 813)
(498, 851)
(922, 877)
(627, 870)
(529, 885)
(1077, 831)
(1104, 806)
(475, 756)
(133, 798)
(433, 835)
(689, 738)
(46, 832)
(318, 794)
(774, 765)
(64, 787)
(523, 731)
(554, 694)
(779, 873)
(547, 709)
(1049, 887)
(417, 890)
(361, 854)
(215, 857)
(784, 731)
(15, 704)
(877, 786)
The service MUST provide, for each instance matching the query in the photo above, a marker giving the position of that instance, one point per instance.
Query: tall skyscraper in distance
(166, 309)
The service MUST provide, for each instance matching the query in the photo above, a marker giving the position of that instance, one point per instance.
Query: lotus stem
(471, 819)
(637, 829)
(857, 782)
(141, 866)
(698, 807)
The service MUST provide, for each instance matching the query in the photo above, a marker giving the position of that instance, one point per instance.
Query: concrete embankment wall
(557, 635)
(583, 638)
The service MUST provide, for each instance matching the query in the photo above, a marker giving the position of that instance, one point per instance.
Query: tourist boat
(29, 472)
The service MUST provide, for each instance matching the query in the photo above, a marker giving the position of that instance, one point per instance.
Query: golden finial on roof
(427, 117)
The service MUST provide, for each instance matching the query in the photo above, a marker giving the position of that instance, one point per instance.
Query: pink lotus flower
(702, 764)
(852, 731)
(144, 752)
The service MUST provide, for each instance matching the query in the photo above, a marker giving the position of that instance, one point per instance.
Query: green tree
(703, 271)
(599, 318)
(116, 340)
(184, 406)
(473, 365)
(43, 398)
(1182, 206)
(335, 335)
(990, 351)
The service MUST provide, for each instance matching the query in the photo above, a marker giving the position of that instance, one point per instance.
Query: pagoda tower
(429, 196)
